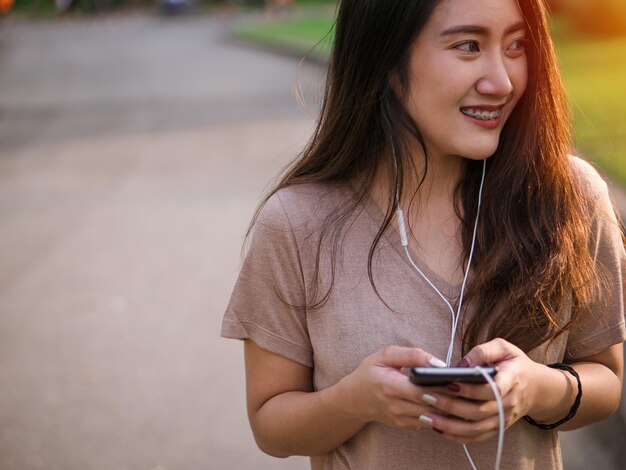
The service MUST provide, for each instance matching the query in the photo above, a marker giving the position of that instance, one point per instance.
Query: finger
(399, 386)
(485, 394)
(414, 424)
(406, 415)
(403, 409)
(461, 427)
(471, 391)
(398, 357)
(494, 351)
(461, 408)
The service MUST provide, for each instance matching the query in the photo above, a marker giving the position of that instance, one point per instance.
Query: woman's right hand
(379, 391)
(289, 418)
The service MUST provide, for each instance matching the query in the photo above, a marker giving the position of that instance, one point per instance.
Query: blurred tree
(596, 17)
(5, 6)
(252, 3)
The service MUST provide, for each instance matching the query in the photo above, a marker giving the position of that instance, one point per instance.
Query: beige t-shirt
(277, 280)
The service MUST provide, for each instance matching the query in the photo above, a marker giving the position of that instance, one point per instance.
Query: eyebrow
(474, 29)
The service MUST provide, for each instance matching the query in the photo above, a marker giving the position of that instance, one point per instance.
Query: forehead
(493, 14)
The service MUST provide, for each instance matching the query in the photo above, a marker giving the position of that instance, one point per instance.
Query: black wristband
(573, 409)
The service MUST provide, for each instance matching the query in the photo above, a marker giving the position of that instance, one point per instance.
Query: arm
(529, 388)
(601, 376)
(286, 417)
(289, 418)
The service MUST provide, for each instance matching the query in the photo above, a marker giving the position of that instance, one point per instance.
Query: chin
(480, 152)
(479, 155)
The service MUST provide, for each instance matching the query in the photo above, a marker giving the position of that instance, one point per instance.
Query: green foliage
(38, 8)
(260, 3)
(314, 2)
(594, 71)
(301, 33)
(35, 8)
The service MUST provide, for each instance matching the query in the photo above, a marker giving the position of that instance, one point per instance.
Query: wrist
(555, 392)
(343, 399)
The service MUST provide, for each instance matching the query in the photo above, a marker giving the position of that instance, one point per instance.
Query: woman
(431, 107)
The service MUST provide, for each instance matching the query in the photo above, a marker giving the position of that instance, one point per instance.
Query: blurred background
(136, 137)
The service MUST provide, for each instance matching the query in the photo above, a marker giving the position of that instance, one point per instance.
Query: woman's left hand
(473, 408)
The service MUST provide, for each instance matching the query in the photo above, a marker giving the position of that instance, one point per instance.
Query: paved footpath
(132, 152)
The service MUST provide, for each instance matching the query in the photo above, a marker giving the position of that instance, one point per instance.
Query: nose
(496, 79)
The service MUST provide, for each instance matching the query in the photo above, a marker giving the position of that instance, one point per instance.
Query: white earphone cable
(456, 316)
(496, 394)
(405, 243)
(467, 268)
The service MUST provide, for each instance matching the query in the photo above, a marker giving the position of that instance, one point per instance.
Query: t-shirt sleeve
(602, 324)
(267, 305)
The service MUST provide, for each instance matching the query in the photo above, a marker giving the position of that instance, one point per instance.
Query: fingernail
(454, 388)
(433, 361)
(430, 399)
(464, 363)
(428, 421)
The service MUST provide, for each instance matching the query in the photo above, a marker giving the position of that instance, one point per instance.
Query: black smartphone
(435, 376)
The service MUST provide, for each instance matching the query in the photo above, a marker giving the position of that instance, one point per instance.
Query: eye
(468, 46)
(519, 45)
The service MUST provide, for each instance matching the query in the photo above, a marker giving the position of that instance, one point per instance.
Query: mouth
(487, 117)
(482, 114)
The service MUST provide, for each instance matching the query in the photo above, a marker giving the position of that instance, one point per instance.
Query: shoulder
(588, 177)
(594, 188)
(605, 226)
(304, 205)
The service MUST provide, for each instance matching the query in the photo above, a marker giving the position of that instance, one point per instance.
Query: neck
(437, 188)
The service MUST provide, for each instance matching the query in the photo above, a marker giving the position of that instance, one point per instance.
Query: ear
(395, 83)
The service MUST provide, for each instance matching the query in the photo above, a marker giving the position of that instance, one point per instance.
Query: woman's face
(468, 71)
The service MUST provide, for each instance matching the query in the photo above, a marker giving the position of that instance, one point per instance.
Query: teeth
(482, 115)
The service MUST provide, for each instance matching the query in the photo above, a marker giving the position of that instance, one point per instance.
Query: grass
(594, 71)
(304, 33)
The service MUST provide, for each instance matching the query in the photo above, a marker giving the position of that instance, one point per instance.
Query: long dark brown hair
(531, 254)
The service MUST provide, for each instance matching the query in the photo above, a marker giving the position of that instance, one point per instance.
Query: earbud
(401, 227)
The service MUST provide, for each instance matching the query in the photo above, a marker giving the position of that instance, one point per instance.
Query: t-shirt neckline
(392, 236)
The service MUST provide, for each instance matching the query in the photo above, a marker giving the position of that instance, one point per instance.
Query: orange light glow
(5, 6)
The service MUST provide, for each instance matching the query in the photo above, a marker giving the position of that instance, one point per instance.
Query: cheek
(432, 95)
(519, 78)
(426, 72)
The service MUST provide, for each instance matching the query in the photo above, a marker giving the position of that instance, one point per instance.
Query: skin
(485, 68)
(289, 418)
(528, 388)
(482, 69)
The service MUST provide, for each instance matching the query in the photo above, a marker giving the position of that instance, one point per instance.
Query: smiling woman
(435, 213)
(484, 63)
